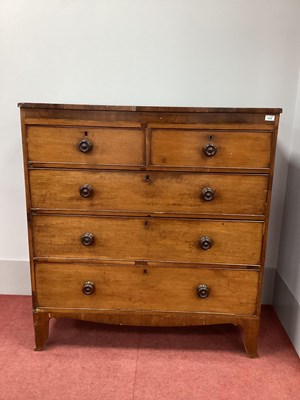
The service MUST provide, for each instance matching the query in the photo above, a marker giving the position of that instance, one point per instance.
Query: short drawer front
(185, 148)
(140, 288)
(109, 146)
(150, 192)
(157, 239)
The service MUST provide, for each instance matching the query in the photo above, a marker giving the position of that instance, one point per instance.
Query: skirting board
(288, 311)
(15, 279)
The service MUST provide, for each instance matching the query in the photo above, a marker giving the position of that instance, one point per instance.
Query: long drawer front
(157, 239)
(176, 192)
(157, 288)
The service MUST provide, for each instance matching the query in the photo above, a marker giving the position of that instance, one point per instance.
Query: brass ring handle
(206, 242)
(210, 149)
(88, 288)
(203, 291)
(208, 194)
(86, 191)
(87, 239)
(85, 145)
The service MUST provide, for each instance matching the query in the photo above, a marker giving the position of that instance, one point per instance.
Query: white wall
(287, 288)
(289, 260)
(162, 52)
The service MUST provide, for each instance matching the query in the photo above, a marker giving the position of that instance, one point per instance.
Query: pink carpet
(91, 361)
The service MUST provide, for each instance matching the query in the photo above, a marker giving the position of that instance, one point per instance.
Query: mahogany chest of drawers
(148, 215)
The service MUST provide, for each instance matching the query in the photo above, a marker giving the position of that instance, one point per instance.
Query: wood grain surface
(170, 147)
(158, 239)
(146, 214)
(159, 192)
(139, 288)
(122, 146)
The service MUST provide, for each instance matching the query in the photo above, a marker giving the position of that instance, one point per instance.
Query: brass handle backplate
(203, 291)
